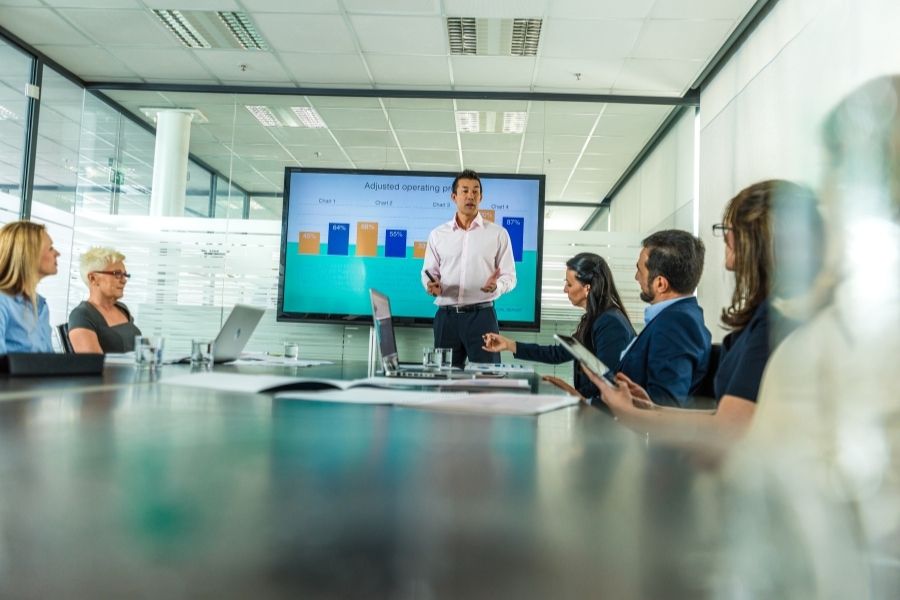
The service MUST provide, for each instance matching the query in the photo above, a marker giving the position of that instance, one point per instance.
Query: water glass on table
(148, 351)
(202, 352)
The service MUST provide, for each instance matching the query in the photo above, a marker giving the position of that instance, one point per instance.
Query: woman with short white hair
(102, 324)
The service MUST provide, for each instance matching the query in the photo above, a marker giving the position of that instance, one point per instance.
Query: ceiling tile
(305, 33)
(496, 9)
(657, 76)
(395, 7)
(371, 139)
(426, 139)
(701, 9)
(292, 6)
(681, 39)
(242, 66)
(90, 62)
(600, 9)
(423, 120)
(162, 63)
(595, 75)
(337, 69)
(93, 3)
(565, 38)
(197, 4)
(40, 26)
(494, 142)
(401, 35)
(121, 27)
(362, 119)
(499, 71)
(409, 70)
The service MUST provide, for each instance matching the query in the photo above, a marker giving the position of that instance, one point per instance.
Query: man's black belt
(467, 307)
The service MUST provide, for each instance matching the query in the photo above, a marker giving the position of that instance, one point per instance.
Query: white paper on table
(497, 403)
(370, 396)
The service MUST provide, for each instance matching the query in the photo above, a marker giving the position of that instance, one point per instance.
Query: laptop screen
(384, 326)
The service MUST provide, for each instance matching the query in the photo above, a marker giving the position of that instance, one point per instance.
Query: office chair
(704, 396)
(63, 331)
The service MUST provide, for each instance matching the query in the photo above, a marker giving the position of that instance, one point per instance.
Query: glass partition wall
(93, 179)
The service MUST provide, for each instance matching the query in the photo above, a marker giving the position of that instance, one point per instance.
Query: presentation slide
(348, 231)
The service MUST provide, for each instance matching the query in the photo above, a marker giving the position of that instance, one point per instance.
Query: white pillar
(170, 162)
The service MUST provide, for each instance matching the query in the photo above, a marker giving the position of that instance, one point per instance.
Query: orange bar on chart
(487, 214)
(367, 238)
(309, 242)
(419, 249)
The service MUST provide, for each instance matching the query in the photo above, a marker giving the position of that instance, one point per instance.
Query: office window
(196, 197)
(15, 69)
(59, 135)
(266, 207)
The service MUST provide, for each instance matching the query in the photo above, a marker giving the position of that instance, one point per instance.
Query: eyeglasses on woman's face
(720, 229)
(121, 275)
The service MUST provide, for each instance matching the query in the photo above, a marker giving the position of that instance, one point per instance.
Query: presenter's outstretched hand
(434, 288)
(491, 284)
(494, 342)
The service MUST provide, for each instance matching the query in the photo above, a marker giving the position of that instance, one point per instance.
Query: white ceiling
(618, 47)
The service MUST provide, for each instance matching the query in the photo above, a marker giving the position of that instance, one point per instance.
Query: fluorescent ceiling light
(468, 121)
(264, 115)
(309, 117)
(239, 25)
(212, 29)
(493, 37)
(514, 122)
(181, 28)
(6, 114)
(526, 36)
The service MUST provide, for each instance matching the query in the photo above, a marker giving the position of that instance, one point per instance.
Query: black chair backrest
(63, 330)
(706, 389)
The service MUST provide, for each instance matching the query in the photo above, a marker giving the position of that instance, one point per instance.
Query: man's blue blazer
(670, 356)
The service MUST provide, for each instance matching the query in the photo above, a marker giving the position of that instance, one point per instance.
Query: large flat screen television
(345, 231)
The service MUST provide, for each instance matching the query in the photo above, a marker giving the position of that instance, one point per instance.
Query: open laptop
(234, 335)
(236, 332)
(387, 344)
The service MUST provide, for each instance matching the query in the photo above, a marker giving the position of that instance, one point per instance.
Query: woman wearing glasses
(27, 255)
(102, 324)
(768, 221)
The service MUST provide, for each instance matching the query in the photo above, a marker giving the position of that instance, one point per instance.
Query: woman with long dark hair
(604, 328)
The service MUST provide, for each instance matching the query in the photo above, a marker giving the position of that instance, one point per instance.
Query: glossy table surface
(123, 486)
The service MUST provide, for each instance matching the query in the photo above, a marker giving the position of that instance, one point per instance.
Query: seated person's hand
(639, 396)
(434, 288)
(494, 342)
(625, 396)
(491, 284)
(564, 386)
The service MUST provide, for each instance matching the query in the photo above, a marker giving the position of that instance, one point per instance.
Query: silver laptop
(236, 332)
(387, 344)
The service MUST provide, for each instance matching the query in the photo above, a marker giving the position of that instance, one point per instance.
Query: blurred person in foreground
(604, 329)
(815, 485)
(762, 223)
(102, 324)
(27, 255)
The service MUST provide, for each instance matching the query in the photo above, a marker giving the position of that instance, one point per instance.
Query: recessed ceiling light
(309, 117)
(181, 28)
(239, 25)
(264, 115)
(468, 121)
(493, 37)
(514, 121)
(6, 114)
(212, 29)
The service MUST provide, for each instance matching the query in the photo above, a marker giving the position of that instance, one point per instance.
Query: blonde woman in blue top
(27, 255)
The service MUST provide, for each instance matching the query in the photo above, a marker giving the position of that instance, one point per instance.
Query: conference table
(122, 485)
